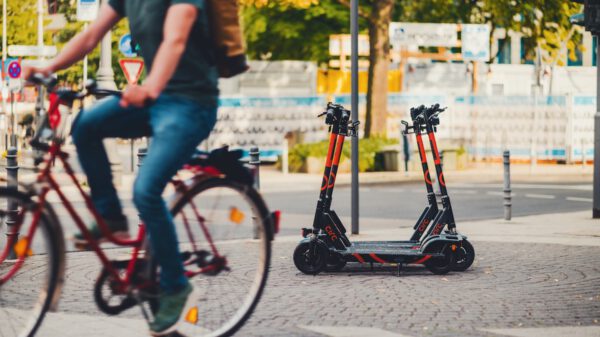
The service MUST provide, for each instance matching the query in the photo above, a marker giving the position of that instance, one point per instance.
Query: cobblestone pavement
(509, 286)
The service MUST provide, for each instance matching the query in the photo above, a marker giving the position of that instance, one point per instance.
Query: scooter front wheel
(311, 257)
(465, 255)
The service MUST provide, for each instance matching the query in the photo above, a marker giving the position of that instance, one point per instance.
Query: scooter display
(326, 247)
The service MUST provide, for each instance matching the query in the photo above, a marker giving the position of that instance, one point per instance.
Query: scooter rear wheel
(311, 257)
(443, 264)
(465, 255)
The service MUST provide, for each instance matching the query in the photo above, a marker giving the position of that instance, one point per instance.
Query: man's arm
(179, 22)
(81, 44)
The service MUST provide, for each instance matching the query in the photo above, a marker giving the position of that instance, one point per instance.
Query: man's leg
(106, 119)
(178, 126)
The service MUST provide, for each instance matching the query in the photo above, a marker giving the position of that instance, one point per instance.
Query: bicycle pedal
(82, 246)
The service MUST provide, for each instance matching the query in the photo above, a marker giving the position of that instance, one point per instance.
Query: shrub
(366, 152)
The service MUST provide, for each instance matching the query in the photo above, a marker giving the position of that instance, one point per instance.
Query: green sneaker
(119, 229)
(173, 309)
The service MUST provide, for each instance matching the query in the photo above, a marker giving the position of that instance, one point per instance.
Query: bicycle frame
(47, 182)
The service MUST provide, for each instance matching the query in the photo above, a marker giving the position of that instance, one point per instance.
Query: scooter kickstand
(399, 269)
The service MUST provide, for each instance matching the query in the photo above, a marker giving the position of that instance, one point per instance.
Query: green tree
(300, 29)
(22, 29)
(543, 22)
(283, 32)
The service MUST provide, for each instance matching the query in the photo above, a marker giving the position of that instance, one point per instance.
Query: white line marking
(580, 199)
(561, 331)
(350, 331)
(540, 196)
(499, 193)
(578, 187)
(463, 192)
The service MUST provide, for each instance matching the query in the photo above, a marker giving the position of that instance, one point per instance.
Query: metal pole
(255, 161)
(105, 75)
(85, 72)
(596, 207)
(40, 37)
(141, 154)
(285, 157)
(354, 108)
(507, 190)
(12, 172)
(4, 54)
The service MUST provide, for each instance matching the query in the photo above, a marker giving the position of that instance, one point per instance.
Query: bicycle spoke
(26, 295)
(234, 225)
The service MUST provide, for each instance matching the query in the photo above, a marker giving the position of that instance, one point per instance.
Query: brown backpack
(227, 38)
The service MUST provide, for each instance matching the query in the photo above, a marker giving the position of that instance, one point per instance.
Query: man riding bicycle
(176, 106)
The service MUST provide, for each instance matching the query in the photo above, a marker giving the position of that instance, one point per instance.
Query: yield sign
(132, 68)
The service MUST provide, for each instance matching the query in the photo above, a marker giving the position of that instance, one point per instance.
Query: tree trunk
(379, 59)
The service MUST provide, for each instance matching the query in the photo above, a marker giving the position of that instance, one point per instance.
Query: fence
(555, 128)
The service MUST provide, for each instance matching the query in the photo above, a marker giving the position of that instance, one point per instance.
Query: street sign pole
(354, 108)
(85, 62)
(596, 204)
(4, 54)
(40, 25)
(106, 75)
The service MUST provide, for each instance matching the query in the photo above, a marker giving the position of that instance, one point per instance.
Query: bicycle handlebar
(91, 87)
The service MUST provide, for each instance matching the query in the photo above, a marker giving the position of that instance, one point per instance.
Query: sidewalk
(542, 288)
(572, 229)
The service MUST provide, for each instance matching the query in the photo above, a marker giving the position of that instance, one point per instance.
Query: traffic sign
(423, 34)
(132, 68)
(475, 42)
(23, 50)
(125, 46)
(14, 69)
(87, 10)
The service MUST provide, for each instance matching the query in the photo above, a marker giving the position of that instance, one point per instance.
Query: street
(405, 202)
(537, 275)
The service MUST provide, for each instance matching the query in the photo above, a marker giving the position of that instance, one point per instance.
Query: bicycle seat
(228, 162)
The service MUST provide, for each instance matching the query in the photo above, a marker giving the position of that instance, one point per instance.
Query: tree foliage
(300, 31)
(22, 29)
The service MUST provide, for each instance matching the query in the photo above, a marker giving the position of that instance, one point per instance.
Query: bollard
(507, 190)
(285, 156)
(141, 154)
(12, 172)
(255, 161)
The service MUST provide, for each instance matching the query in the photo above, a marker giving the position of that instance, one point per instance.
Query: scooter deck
(384, 248)
(394, 244)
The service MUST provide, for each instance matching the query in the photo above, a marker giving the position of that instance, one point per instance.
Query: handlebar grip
(41, 79)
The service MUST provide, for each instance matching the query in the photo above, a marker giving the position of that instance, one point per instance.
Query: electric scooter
(326, 246)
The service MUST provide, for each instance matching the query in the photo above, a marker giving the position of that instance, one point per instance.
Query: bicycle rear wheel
(225, 231)
(29, 277)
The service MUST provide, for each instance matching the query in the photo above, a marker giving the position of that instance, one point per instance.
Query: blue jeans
(177, 125)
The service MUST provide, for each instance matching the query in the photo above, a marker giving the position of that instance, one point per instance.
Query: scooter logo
(331, 233)
(437, 229)
(424, 225)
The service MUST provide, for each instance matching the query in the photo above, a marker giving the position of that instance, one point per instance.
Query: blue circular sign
(125, 46)
(14, 69)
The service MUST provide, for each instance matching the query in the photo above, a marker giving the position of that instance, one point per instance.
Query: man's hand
(28, 71)
(138, 96)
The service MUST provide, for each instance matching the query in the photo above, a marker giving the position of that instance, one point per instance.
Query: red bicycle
(223, 225)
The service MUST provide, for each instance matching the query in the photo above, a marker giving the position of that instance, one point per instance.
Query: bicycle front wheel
(224, 231)
(31, 264)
